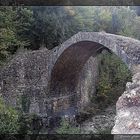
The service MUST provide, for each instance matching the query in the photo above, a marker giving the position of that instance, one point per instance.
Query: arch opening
(66, 75)
(66, 70)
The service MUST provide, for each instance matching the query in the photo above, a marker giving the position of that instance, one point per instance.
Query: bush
(113, 75)
(29, 124)
(8, 119)
(66, 128)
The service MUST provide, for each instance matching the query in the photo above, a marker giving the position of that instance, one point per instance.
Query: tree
(53, 25)
(14, 27)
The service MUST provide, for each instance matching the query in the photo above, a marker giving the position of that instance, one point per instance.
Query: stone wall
(25, 84)
(26, 75)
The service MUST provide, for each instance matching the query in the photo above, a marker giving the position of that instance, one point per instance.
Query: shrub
(66, 128)
(8, 119)
(113, 75)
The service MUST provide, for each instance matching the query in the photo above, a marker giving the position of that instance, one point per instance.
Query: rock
(128, 108)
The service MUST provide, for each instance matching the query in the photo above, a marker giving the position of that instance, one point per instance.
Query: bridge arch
(34, 71)
(124, 47)
(72, 55)
(65, 73)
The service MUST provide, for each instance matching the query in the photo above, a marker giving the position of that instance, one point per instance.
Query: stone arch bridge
(57, 81)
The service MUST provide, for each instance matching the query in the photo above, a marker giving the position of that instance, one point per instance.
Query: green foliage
(63, 22)
(102, 19)
(113, 75)
(53, 25)
(128, 22)
(29, 124)
(25, 124)
(13, 122)
(8, 119)
(39, 26)
(121, 20)
(66, 128)
(14, 26)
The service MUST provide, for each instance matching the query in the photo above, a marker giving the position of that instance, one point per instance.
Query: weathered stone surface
(87, 82)
(124, 47)
(128, 107)
(58, 80)
(27, 75)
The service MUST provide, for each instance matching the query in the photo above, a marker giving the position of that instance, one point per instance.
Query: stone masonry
(61, 80)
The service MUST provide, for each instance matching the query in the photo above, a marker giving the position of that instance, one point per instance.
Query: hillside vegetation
(32, 28)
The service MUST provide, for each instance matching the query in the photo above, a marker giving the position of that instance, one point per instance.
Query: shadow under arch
(66, 70)
(65, 73)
